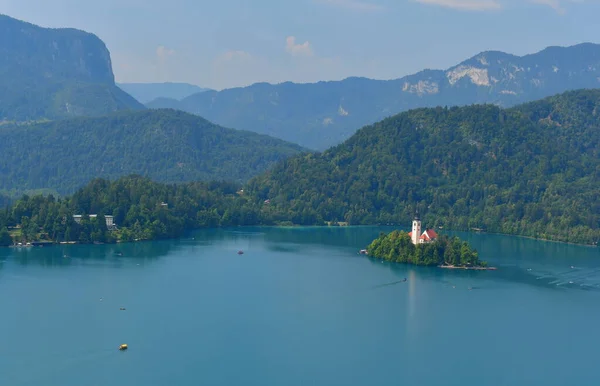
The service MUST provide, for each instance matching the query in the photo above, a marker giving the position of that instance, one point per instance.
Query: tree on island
(398, 247)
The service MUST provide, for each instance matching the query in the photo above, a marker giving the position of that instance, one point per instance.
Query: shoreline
(50, 242)
(593, 245)
(468, 268)
(537, 239)
(436, 266)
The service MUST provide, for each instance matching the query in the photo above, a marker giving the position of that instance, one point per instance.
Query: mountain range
(323, 114)
(148, 92)
(55, 73)
(531, 169)
(165, 145)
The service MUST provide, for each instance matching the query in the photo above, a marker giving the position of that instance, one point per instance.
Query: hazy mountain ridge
(322, 114)
(148, 92)
(164, 103)
(55, 73)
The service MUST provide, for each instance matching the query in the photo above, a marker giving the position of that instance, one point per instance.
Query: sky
(230, 43)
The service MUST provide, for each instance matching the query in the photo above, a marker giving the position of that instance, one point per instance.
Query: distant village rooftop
(110, 220)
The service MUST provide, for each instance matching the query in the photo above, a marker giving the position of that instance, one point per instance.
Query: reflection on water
(69, 255)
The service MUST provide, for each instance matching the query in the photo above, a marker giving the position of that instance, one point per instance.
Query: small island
(426, 248)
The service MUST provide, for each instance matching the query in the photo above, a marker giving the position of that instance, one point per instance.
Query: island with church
(425, 248)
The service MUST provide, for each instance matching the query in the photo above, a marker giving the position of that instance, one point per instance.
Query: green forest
(397, 247)
(532, 170)
(142, 210)
(165, 145)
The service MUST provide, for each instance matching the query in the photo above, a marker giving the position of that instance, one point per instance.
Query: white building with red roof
(417, 237)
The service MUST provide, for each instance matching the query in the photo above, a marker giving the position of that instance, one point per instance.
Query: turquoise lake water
(299, 307)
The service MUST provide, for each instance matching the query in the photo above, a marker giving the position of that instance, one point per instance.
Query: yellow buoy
(123, 347)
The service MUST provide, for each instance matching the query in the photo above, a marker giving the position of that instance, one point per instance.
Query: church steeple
(416, 228)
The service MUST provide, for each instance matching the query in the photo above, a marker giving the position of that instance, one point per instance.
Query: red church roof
(429, 235)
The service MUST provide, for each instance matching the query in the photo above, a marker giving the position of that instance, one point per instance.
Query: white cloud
(304, 49)
(466, 5)
(162, 53)
(163, 68)
(355, 5)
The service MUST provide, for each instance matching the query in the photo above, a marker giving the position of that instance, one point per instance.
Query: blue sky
(227, 43)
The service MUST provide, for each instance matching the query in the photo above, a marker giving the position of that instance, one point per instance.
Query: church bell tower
(416, 229)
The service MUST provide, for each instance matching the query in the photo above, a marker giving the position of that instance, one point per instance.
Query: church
(417, 237)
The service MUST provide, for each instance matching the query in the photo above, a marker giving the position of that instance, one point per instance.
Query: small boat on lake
(240, 252)
(363, 252)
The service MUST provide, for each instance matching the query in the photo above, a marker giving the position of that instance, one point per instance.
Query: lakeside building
(110, 221)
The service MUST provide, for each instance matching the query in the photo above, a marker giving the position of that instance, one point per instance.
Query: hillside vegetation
(533, 170)
(166, 145)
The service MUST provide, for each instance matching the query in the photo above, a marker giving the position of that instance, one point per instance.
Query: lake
(299, 307)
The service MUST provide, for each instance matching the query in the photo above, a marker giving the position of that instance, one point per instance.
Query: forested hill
(166, 145)
(53, 73)
(319, 115)
(531, 170)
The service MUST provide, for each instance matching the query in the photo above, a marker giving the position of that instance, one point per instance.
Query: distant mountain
(164, 103)
(532, 170)
(166, 145)
(55, 73)
(147, 92)
(326, 113)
